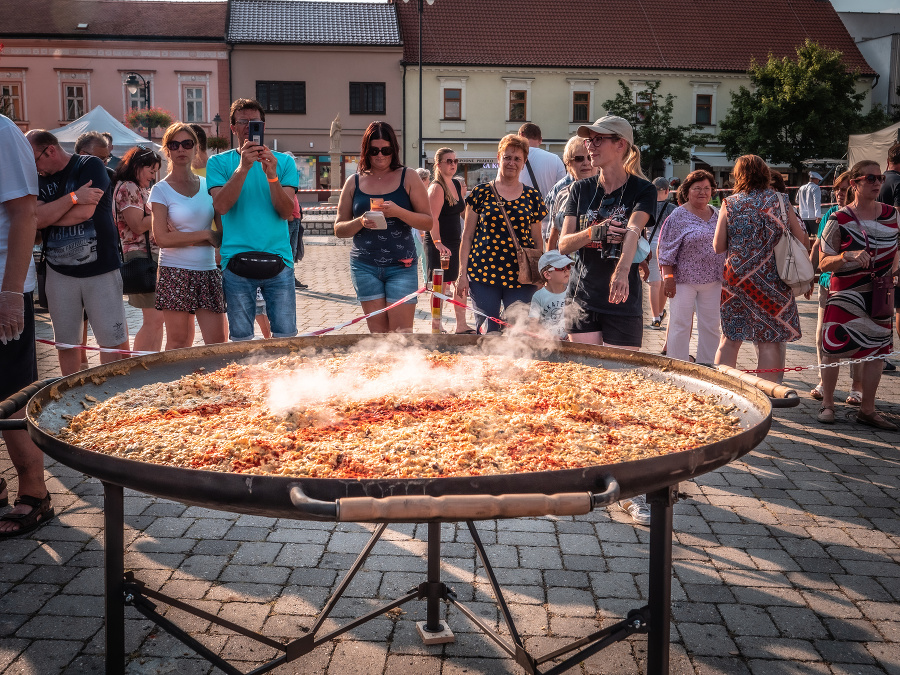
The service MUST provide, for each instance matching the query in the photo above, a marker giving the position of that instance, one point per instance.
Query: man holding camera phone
(253, 190)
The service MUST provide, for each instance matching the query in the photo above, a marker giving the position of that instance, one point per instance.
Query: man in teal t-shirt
(253, 190)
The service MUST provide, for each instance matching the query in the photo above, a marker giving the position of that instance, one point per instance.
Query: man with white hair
(809, 198)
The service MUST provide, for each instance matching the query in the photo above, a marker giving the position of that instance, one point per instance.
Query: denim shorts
(372, 282)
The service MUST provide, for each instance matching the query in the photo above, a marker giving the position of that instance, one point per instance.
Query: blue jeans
(372, 282)
(487, 298)
(281, 303)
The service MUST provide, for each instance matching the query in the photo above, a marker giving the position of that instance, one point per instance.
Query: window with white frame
(451, 104)
(705, 103)
(581, 106)
(581, 102)
(193, 104)
(11, 100)
(518, 97)
(75, 100)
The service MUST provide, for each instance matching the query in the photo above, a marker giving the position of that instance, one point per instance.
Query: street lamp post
(421, 149)
(218, 120)
(132, 84)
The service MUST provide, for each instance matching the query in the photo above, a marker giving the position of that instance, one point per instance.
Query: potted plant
(148, 118)
(216, 143)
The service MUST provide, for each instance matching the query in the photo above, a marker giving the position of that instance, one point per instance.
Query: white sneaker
(637, 508)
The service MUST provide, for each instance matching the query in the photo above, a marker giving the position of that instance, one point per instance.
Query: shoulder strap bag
(139, 274)
(882, 286)
(791, 256)
(534, 182)
(527, 258)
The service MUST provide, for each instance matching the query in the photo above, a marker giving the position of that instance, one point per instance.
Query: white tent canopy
(100, 120)
(873, 146)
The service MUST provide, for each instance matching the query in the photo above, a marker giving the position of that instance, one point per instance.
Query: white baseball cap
(554, 259)
(611, 124)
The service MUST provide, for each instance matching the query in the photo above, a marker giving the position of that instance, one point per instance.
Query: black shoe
(889, 367)
(299, 284)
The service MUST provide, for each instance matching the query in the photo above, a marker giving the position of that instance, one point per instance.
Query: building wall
(42, 68)
(485, 108)
(327, 72)
(883, 54)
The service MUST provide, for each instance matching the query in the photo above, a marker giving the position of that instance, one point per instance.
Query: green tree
(650, 114)
(798, 109)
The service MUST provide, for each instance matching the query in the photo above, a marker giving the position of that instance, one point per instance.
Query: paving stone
(747, 620)
(705, 639)
(797, 622)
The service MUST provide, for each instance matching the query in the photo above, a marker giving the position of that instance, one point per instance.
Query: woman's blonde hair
(632, 161)
(571, 148)
(449, 195)
(515, 142)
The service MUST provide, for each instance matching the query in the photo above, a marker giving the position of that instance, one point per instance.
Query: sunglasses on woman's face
(578, 159)
(872, 178)
(450, 161)
(187, 144)
(386, 151)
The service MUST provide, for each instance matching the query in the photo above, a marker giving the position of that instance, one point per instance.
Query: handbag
(139, 274)
(882, 287)
(792, 258)
(256, 265)
(526, 257)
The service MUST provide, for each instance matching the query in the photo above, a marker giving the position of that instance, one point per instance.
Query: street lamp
(132, 85)
(421, 149)
(218, 120)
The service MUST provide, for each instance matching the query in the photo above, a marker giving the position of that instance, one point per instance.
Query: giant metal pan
(271, 495)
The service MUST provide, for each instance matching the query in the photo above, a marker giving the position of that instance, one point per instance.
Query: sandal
(875, 420)
(855, 398)
(816, 392)
(4, 501)
(40, 513)
(826, 415)
(470, 331)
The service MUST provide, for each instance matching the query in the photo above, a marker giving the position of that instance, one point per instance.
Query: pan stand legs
(660, 585)
(114, 561)
(433, 631)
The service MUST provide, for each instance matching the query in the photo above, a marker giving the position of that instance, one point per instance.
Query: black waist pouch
(256, 265)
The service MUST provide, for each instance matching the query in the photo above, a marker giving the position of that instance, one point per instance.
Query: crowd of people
(224, 230)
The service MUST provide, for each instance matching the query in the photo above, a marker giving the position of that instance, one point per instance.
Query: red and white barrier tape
(322, 331)
(107, 350)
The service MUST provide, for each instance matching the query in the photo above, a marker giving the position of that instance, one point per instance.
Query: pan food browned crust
(400, 415)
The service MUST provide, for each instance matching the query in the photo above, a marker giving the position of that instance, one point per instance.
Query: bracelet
(272, 180)
(73, 197)
(668, 276)
(435, 241)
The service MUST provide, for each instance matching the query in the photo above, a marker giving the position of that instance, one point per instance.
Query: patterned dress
(493, 256)
(847, 327)
(757, 306)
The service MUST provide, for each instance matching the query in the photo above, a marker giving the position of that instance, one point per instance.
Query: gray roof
(313, 23)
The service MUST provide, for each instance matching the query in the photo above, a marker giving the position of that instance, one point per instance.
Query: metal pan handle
(314, 509)
(17, 401)
(609, 495)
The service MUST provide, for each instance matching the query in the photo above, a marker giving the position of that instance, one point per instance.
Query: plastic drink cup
(445, 262)
(375, 203)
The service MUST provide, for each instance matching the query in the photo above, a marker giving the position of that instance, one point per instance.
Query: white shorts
(99, 296)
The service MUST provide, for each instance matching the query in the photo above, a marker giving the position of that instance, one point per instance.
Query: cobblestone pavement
(785, 562)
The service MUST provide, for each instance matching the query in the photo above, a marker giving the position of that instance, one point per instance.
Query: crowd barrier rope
(438, 296)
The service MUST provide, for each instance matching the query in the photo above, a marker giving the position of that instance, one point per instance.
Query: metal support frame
(123, 589)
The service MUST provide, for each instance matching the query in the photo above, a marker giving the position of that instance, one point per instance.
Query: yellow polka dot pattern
(493, 256)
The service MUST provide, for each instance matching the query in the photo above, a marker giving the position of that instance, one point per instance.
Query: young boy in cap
(548, 304)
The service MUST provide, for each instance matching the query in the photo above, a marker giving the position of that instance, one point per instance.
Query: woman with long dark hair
(446, 196)
(383, 259)
(136, 172)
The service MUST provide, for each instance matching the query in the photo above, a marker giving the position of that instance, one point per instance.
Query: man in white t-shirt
(18, 358)
(809, 198)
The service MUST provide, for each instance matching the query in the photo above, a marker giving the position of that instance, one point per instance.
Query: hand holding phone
(256, 132)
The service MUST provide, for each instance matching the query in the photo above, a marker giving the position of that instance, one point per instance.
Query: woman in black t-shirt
(607, 289)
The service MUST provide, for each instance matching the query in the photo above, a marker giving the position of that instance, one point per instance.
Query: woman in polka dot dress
(487, 250)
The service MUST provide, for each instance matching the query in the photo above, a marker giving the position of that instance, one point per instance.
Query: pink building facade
(60, 71)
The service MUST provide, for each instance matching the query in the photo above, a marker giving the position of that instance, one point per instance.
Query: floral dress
(757, 306)
(848, 328)
(129, 196)
(493, 256)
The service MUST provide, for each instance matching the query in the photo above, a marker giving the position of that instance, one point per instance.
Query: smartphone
(256, 132)
(378, 217)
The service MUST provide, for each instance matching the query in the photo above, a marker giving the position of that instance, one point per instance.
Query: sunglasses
(578, 159)
(872, 178)
(187, 144)
(386, 151)
(37, 159)
(450, 161)
(597, 141)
